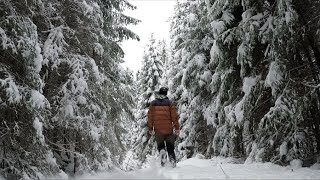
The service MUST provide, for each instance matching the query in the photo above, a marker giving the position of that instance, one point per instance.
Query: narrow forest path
(216, 168)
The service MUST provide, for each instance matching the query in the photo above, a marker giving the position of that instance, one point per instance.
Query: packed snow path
(195, 168)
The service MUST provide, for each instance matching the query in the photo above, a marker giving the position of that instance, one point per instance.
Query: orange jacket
(162, 116)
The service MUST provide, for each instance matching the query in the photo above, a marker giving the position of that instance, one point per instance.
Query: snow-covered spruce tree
(24, 150)
(94, 99)
(191, 44)
(129, 122)
(264, 120)
(130, 161)
(164, 57)
(62, 89)
(149, 80)
(261, 89)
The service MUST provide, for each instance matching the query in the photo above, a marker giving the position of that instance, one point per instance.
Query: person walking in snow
(163, 123)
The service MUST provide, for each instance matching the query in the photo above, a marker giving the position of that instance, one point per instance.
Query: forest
(243, 74)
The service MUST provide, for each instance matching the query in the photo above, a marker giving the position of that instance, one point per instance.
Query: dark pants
(169, 139)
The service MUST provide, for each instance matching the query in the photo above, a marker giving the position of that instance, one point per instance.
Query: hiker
(163, 123)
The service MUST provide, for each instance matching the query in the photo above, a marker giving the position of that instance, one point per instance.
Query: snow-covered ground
(216, 168)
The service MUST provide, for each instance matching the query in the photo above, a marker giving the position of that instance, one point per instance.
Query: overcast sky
(154, 15)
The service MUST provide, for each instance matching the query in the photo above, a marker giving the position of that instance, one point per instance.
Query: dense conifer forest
(243, 74)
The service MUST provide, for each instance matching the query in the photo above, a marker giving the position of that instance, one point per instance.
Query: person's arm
(174, 118)
(150, 120)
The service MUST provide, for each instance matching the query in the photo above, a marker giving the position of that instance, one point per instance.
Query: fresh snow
(215, 52)
(227, 17)
(53, 47)
(98, 49)
(216, 168)
(248, 83)
(274, 77)
(37, 99)
(283, 149)
(38, 126)
(12, 91)
(192, 19)
(95, 132)
(88, 8)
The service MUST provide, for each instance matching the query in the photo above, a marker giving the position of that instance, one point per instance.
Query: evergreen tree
(191, 44)
(62, 87)
(164, 58)
(24, 150)
(255, 86)
(98, 69)
(149, 80)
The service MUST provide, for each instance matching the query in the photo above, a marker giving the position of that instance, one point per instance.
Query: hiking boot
(173, 162)
(163, 156)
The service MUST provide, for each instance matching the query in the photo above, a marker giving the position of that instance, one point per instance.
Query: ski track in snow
(216, 168)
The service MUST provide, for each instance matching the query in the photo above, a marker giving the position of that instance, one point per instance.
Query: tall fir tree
(63, 90)
(149, 81)
(254, 86)
(164, 56)
(191, 42)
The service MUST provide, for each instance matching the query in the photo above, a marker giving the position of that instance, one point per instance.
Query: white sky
(154, 15)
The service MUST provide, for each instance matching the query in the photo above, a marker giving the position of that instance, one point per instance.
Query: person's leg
(160, 142)
(161, 148)
(170, 139)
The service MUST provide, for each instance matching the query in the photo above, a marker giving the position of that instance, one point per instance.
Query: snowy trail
(195, 168)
